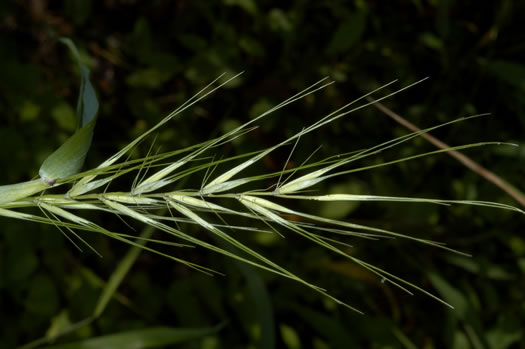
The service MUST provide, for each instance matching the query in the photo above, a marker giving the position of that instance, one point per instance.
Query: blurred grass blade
(263, 305)
(143, 338)
(451, 294)
(403, 339)
(261, 297)
(68, 159)
(122, 269)
(53, 336)
(331, 328)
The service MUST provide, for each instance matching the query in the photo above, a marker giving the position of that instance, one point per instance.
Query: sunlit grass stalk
(156, 175)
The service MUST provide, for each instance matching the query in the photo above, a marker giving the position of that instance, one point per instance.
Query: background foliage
(148, 57)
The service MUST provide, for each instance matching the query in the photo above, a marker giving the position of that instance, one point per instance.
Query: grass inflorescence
(155, 200)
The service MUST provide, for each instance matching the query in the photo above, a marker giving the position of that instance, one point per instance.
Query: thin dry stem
(465, 160)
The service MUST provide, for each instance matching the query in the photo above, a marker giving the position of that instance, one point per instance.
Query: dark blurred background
(149, 57)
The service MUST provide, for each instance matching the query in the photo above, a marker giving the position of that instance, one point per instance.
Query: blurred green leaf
(139, 43)
(247, 5)
(329, 327)
(403, 339)
(193, 42)
(443, 17)
(122, 270)
(521, 264)
(279, 21)
(450, 294)
(29, 111)
(492, 271)
(64, 116)
(141, 338)
(251, 46)
(290, 337)
(42, 298)
(59, 323)
(510, 72)
(263, 305)
(347, 34)
(185, 303)
(148, 78)
(460, 341)
(18, 79)
(262, 105)
(79, 11)
(431, 41)
(261, 297)
(501, 339)
(22, 263)
(232, 84)
(506, 332)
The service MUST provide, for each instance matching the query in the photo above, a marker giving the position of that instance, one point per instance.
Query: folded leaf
(68, 159)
